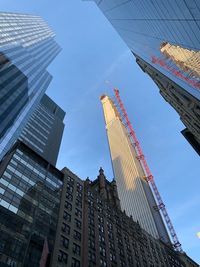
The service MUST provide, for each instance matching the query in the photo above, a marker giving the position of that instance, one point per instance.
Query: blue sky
(92, 52)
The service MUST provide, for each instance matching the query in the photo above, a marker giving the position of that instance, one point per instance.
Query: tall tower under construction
(134, 191)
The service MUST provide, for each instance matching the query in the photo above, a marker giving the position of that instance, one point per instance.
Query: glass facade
(27, 47)
(43, 131)
(163, 33)
(30, 190)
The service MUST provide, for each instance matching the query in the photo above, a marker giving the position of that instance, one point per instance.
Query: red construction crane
(149, 176)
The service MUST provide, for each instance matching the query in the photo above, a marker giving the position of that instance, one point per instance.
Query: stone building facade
(186, 105)
(93, 231)
(69, 236)
(111, 238)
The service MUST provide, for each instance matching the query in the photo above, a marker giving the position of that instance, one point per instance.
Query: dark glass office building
(30, 191)
(165, 36)
(27, 47)
(43, 132)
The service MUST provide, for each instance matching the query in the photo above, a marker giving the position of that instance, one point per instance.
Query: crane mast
(148, 175)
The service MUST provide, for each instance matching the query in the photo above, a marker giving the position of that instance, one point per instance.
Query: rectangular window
(101, 228)
(91, 211)
(79, 195)
(2, 191)
(101, 239)
(79, 187)
(121, 252)
(4, 182)
(79, 203)
(99, 209)
(122, 263)
(102, 251)
(70, 179)
(91, 232)
(100, 219)
(90, 194)
(99, 201)
(68, 206)
(8, 175)
(78, 223)
(103, 263)
(78, 213)
(11, 262)
(109, 225)
(91, 256)
(76, 249)
(69, 196)
(69, 188)
(67, 216)
(91, 244)
(111, 246)
(119, 240)
(130, 260)
(65, 228)
(112, 257)
(77, 235)
(91, 221)
(64, 242)
(75, 263)
(90, 202)
(62, 256)
(10, 168)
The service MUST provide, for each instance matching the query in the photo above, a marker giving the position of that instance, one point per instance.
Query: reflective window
(165, 34)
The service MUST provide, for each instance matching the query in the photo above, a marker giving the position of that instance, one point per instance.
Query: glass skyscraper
(27, 47)
(164, 36)
(43, 131)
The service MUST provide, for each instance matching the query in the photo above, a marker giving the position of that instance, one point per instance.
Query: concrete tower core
(135, 195)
